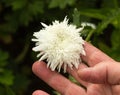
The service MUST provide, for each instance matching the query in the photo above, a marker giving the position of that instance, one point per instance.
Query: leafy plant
(20, 18)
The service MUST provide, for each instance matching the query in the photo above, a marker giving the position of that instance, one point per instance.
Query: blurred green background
(20, 18)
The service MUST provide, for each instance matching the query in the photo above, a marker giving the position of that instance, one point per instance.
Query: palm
(95, 89)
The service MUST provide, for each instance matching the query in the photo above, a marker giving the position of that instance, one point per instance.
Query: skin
(101, 75)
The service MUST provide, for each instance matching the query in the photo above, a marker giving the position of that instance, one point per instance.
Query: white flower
(59, 43)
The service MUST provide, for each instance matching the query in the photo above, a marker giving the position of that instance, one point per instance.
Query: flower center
(61, 36)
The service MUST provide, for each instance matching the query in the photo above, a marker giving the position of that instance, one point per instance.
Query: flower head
(60, 44)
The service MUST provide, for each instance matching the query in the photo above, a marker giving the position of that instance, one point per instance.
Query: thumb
(104, 72)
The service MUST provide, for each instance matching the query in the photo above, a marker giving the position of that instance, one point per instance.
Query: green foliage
(20, 18)
(4, 72)
(61, 3)
(76, 17)
(6, 75)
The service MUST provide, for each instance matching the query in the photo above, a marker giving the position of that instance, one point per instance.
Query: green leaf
(36, 7)
(71, 78)
(56, 93)
(93, 13)
(61, 3)
(104, 47)
(115, 39)
(9, 91)
(76, 17)
(6, 77)
(2, 90)
(18, 4)
(25, 18)
(6, 90)
(110, 18)
(3, 58)
(21, 82)
(111, 4)
(7, 28)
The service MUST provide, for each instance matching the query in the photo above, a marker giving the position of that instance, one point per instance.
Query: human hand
(102, 77)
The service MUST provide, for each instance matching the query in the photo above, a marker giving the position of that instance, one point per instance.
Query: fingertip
(39, 92)
(36, 65)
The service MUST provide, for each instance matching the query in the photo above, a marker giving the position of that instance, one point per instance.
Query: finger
(74, 73)
(94, 55)
(56, 81)
(96, 74)
(102, 73)
(39, 92)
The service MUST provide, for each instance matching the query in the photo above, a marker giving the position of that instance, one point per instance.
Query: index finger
(94, 55)
(56, 80)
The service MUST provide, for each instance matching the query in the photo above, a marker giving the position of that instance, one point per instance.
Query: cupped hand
(101, 75)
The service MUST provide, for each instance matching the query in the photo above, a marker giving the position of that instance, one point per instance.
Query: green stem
(89, 35)
(23, 53)
(21, 56)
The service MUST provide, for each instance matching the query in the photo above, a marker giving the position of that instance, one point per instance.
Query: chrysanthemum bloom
(60, 44)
